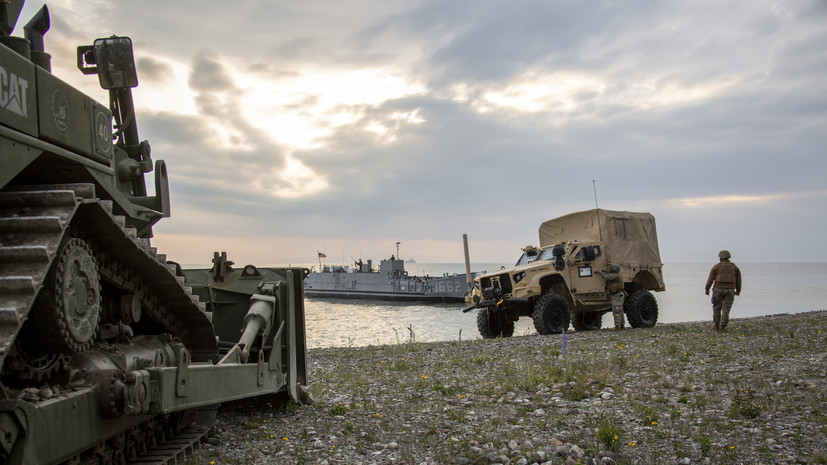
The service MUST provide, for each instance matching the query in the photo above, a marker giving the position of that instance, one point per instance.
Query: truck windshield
(527, 257)
(547, 254)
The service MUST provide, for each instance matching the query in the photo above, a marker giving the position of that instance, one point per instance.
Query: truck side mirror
(115, 63)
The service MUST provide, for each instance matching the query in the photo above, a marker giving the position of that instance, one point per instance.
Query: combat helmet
(724, 255)
(615, 268)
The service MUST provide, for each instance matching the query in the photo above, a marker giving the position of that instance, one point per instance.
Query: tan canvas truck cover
(629, 238)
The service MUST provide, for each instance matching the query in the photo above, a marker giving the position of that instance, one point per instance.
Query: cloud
(732, 200)
(209, 75)
(370, 122)
(155, 71)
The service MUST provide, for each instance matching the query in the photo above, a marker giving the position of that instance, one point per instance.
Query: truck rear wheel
(492, 324)
(551, 314)
(587, 321)
(641, 309)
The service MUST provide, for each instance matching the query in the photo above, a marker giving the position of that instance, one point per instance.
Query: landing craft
(389, 281)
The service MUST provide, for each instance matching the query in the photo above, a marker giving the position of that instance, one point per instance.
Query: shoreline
(675, 393)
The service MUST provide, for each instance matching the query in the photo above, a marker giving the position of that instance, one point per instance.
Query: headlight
(519, 276)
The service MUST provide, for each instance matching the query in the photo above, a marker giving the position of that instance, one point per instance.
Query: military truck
(560, 282)
(110, 353)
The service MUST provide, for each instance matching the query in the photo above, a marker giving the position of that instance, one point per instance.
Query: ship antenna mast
(397, 251)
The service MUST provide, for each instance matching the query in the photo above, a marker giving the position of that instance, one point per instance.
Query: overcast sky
(295, 126)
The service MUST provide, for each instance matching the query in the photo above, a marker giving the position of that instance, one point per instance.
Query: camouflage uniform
(615, 288)
(727, 284)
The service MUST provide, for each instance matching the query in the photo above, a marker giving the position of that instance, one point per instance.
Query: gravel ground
(676, 393)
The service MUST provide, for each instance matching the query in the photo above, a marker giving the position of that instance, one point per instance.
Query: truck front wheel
(551, 314)
(641, 309)
(492, 324)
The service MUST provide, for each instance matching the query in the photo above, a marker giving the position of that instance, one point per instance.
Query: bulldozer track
(34, 222)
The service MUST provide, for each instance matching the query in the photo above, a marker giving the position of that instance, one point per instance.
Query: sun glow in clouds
(568, 91)
(533, 93)
(299, 111)
(171, 94)
(672, 93)
(388, 133)
(701, 202)
(299, 180)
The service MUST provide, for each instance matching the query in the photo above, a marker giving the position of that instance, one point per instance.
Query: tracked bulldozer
(110, 353)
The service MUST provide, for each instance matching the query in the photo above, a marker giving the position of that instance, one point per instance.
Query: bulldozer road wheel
(68, 310)
(492, 324)
(77, 295)
(551, 314)
(641, 309)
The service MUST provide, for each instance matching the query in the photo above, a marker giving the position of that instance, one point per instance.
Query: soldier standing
(615, 288)
(727, 279)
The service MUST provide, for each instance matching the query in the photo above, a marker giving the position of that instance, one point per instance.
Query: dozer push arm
(241, 373)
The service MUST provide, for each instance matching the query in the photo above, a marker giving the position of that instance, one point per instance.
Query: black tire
(641, 309)
(492, 324)
(587, 321)
(551, 314)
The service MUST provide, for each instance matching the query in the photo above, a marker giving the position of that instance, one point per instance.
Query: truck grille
(500, 281)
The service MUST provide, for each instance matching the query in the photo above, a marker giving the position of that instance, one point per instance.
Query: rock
(29, 394)
(434, 396)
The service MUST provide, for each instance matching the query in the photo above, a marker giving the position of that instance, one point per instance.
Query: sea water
(768, 288)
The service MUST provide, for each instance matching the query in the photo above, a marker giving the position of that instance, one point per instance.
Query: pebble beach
(678, 393)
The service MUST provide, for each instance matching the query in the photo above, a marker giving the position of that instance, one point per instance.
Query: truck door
(587, 263)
